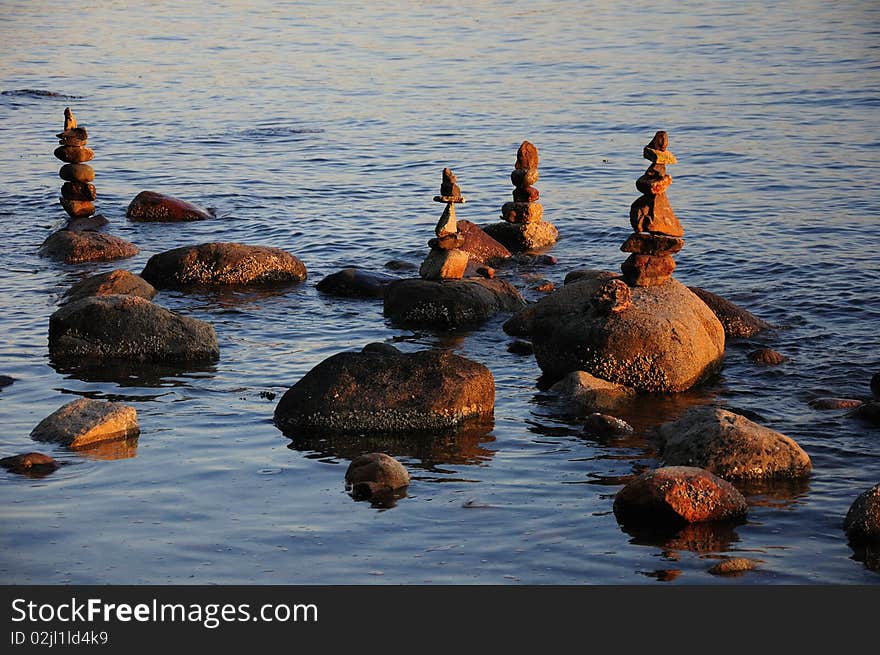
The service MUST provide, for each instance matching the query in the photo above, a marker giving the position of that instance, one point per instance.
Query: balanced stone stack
(657, 231)
(524, 227)
(77, 193)
(446, 261)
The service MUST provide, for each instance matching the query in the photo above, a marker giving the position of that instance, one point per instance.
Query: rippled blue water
(322, 128)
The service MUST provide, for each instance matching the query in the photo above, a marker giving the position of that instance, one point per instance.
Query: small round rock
(379, 469)
(766, 356)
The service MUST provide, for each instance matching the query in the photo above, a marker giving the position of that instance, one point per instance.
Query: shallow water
(322, 129)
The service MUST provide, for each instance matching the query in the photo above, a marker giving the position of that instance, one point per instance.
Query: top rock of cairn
(449, 191)
(77, 193)
(657, 231)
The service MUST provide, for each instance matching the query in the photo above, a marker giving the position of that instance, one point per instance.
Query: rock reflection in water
(778, 494)
(710, 537)
(461, 446)
(127, 373)
(109, 450)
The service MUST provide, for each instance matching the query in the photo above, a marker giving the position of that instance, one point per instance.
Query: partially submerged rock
(667, 339)
(586, 393)
(730, 446)
(447, 304)
(378, 390)
(129, 328)
(737, 321)
(678, 494)
(835, 403)
(766, 356)
(84, 422)
(118, 282)
(733, 566)
(221, 264)
(77, 246)
(149, 206)
(29, 463)
(480, 246)
(862, 522)
(375, 473)
(604, 425)
(355, 283)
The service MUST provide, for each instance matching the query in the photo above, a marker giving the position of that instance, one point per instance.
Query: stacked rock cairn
(657, 231)
(446, 261)
(77, 193)
(523, 227)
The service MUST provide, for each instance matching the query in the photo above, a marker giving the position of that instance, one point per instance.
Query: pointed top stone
(656, 151)
(660, 141)
(69, 119)
(526, 156)
(449, 191)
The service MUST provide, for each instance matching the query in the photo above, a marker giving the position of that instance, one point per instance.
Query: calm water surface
(322, 128)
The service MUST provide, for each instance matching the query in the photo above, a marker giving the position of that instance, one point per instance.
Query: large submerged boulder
(127, 328)
(220, 264)
(660, 338)
(381, 389)
(737, 321)
(119, 282)
(730, 446)
(149, 206)
(76, 247)
(447, 304)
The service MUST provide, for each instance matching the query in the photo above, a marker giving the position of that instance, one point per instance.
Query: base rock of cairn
(523, 227)
(657, 231)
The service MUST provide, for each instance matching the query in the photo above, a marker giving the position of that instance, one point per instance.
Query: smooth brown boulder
(737, 322)
(74, 154)
(77, 208)
(355, 283)
(766, 356)
(480, 246)
(654, 214)
(379, 469)
(520, 237)
(127, 328)
(652, 244)
(149, 206)
(526, 156)
(647, 270)
(77, 173)
(29, 463)
(730, 446)
(380, 389)
(222, 264)
(679, 494)
(448, 304)
(118, 282)
(585, 393)
(84, 422)
(78, 191)
(862, 522)
(666, 340)
(77, 246)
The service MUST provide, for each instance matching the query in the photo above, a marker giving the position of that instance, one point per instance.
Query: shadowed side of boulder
(222, 264)
(737, 321)
(447, 304)
(377, 390)
(127, 328)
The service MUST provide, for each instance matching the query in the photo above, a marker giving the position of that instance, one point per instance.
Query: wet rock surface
(29, 463)
(127, 328)
(737, 322)
(766, 356)
(377, 390)
(730, 446)
(373, 474)
(149, 206)
(678, 494)
(448, 304)
(862, 521)
(84, 422)
(355, 283)
(223, 264)
(584, 393)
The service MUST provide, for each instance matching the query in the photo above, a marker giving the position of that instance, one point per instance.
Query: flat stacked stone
(657, 231)
(446, 260)
(77, 193)
(523, 227)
